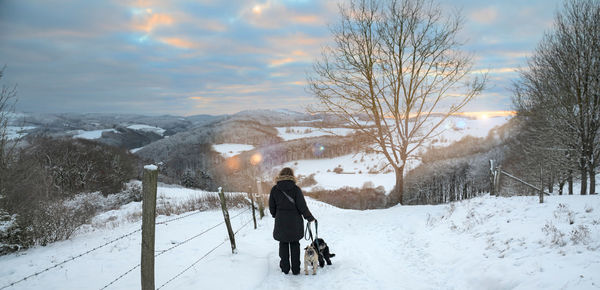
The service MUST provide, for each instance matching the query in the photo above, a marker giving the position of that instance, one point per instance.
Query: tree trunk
(583, 180)
(396, 194)
(560, 187)
(592, 179)
(570, 181)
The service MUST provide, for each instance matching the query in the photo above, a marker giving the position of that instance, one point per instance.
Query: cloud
(179, 42)
(276, 14)
(487, 15)
(146, 21)
(209, 56)
(499, 70)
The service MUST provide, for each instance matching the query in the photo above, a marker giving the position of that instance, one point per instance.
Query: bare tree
(561, 87)
(397, 65)
(7, 103)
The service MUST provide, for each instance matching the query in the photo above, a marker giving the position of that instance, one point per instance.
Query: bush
(306, 181)
(580, 234)
(351, 198)
(57, 221)
(72, 166)
(338, 170)
(200, 202)
(10, 233)
(556, 236)
(562, 212)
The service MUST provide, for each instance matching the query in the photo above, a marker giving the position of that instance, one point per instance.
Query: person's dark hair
(286, 172)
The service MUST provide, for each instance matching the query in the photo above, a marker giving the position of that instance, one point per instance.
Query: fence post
(149, 186)
(253, 208)
(260, 200)
(497, 180)
(227, 221)
(492, 178)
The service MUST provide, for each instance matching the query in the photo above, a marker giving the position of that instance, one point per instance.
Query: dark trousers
(284, 253)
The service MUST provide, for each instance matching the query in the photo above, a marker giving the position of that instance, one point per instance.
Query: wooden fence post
(149, 186)
(260, 200)
(492, 177)
(227, 221)
(253, 209)
(497, 180)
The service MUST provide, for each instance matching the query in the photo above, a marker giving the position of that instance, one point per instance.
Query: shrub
(351, 198)
(56, 221)
(200, 202)
(10, 233)
(580, 234)
(562, 212)
(338, 170)
(556, 236)
(306, 181)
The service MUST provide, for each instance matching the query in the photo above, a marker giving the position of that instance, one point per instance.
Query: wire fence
(171, 248)
(115, 240)
(201, 258)
(70, 259)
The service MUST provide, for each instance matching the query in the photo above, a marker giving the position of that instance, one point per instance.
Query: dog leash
(316, 238)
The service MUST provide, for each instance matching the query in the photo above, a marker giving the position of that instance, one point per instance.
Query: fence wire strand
(171, 248)
(178, 218)
(70, 259)
(200, 234)
(201, 258)
(99, 247)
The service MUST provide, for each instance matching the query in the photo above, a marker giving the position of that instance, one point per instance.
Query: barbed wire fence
(158, 253)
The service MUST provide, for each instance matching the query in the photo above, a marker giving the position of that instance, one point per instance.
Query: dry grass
(200, 203)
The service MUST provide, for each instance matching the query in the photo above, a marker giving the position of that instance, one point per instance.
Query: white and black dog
(324, 254)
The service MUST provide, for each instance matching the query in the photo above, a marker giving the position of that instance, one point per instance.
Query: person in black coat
(287, 206)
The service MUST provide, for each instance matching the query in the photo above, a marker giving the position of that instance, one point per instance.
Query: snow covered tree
(188, 179)
(397, 64)
(10, 233)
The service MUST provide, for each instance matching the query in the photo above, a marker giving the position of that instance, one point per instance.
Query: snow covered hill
(483, 243)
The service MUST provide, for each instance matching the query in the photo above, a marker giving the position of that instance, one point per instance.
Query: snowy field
(16, 132)
(228, 150)
(483, 243)
(355, 172)
(91, 135)
(455, 128)
(147, 128)
(292, 133)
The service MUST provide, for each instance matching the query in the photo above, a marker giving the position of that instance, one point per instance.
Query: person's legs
(295, 255)
(284, 255)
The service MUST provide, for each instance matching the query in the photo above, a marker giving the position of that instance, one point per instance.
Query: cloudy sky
(212, 57)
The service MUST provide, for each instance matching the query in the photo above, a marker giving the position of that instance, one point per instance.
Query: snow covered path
(484, 243)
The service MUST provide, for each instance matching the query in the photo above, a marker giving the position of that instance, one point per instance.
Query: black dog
(324, 253)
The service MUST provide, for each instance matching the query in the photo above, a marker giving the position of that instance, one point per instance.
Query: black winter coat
(289, 226)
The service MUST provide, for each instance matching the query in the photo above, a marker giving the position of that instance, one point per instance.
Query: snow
(90, 135)
(456, 127)
(151, 167)
(310, 121)
(299, 132)
(355, 174)
(136, 149)
(16, 132)
(147, 128)
(229, 149)
(483, 243)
